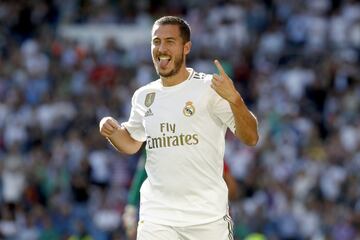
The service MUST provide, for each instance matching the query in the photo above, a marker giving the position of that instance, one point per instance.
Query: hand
(108, 126)
(223, 85)
(130, 221)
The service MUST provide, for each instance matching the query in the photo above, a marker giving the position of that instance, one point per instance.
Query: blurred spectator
(29, 230)
(13, 177)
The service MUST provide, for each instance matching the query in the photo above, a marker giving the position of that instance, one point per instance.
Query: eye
(171, 41)
(156, 41)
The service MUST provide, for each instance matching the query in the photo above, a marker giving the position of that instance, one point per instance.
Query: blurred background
(65, 64)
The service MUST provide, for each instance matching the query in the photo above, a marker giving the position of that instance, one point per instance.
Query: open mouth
(164, 61)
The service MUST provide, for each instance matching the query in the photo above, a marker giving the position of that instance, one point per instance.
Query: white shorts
(219, 230)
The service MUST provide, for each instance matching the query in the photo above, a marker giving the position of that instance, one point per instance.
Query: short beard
(178, 63)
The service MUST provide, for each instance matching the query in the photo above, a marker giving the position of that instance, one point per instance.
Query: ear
(187, 48)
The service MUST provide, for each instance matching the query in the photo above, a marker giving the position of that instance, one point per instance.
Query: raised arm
(118, 136)
(246, 124)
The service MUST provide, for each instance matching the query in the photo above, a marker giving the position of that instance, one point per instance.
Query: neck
(180, 77)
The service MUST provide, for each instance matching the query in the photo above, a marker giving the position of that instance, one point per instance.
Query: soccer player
(182, 117)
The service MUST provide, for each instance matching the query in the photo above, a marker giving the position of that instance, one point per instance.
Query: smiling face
(168, 49)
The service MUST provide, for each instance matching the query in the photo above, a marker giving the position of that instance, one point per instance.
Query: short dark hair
(184, 27)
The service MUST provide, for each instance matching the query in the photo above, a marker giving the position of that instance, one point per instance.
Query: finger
(217, 77)
(219, 67)
(107, 130)
(113, 123)
(215, 82)
(110, 128)
(105, 133)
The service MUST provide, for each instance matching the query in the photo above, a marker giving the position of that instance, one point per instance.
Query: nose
(162, 48)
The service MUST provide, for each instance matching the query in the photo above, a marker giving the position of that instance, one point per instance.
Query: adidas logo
(148, 113)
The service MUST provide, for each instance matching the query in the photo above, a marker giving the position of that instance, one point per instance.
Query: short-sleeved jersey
(184, 128)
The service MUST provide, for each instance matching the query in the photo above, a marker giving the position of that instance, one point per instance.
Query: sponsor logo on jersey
(189, 109)
(170, 137)
(149, 99)
(165, 140)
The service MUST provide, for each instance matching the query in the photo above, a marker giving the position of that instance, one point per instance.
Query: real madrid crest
(149, 99)
(189, 109)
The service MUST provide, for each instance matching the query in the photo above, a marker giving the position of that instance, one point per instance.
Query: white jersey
(184, 128)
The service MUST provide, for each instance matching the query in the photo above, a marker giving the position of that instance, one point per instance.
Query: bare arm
(232, 186)
(246, 124)
(118, 136)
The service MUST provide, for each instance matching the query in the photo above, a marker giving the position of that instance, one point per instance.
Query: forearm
(232, 186)
(123, 142)
(246, 124)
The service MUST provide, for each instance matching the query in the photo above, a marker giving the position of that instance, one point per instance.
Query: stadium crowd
(296, 64)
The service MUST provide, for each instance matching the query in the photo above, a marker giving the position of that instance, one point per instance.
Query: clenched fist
(108, 126)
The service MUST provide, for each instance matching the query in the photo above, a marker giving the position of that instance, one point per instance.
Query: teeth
(164, 57)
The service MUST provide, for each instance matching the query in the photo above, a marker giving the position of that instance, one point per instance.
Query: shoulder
(203, 82)
(202, 78)
(148, 88)
(154, 85)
